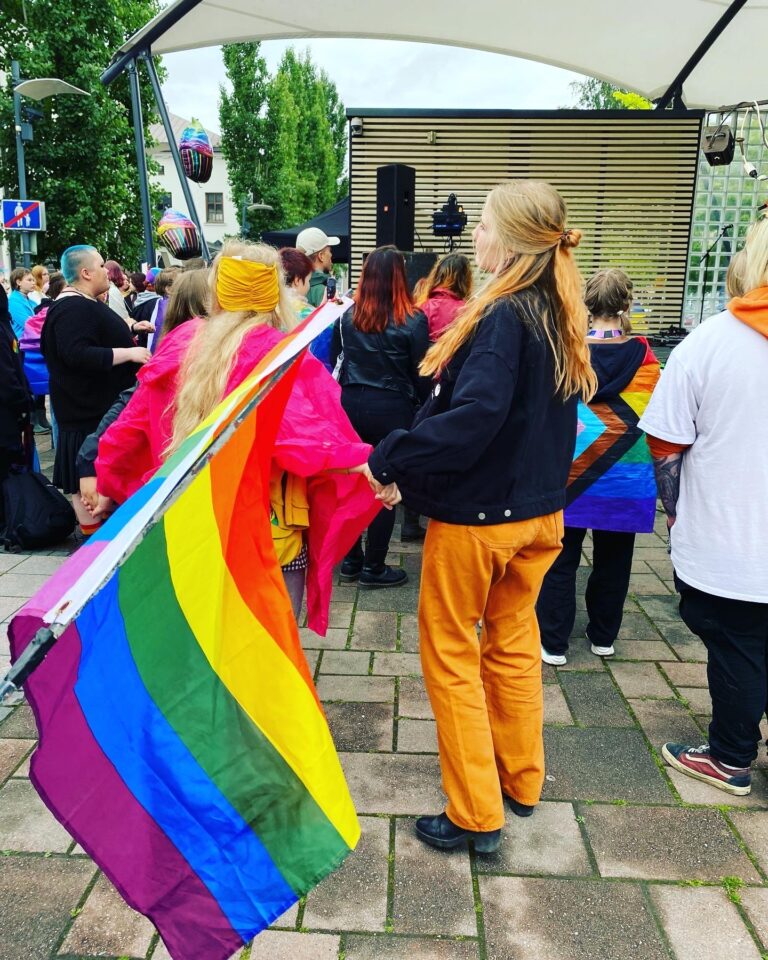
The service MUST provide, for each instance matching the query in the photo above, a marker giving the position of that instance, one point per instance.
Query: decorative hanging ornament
(179, 234)
(196, 152)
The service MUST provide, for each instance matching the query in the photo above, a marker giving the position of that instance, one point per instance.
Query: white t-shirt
(713, 394)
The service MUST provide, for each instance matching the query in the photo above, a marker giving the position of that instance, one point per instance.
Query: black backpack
(37, 515)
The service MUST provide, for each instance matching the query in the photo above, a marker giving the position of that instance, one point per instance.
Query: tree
(284, 137)
(594, 94)
(82, 161)
(243, 122)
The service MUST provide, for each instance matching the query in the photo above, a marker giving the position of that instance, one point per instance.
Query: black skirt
(64, 466)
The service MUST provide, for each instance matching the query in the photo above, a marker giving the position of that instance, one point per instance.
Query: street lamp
(35, 90)
(247, 207)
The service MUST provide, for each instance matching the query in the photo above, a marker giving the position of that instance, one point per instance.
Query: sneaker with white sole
(698, 762)
(602, 651)
(553, 659)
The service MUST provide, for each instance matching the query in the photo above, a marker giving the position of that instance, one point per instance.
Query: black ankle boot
(383, 576)
(441, 833)
(350, 570)
(519, 809)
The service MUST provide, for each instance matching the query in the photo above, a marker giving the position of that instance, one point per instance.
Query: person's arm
(669, 423)
(453, 441)
(86, 455)
(125, 448)
(14, 390)
(419, 344)
(130, 355)
(667, 460)
(79, 347)
(335, 348)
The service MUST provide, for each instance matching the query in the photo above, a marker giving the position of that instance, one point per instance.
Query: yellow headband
(247, 285)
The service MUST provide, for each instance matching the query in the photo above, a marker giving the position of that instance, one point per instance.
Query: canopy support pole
(141, 162)
(154, 30)
(674, 93)
(173, 147)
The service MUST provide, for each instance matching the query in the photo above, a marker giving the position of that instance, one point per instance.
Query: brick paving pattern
(623, 858)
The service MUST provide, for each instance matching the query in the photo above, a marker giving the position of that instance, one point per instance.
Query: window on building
(725, 205)
(214, 207)
(165, 201)
(161, 168)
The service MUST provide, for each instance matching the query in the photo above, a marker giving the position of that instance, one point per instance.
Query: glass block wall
(723, 195)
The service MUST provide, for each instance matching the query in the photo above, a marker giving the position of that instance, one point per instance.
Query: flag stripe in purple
(144, 865)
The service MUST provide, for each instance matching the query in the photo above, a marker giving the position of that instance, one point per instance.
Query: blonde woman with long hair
(317, 513)
(488, 462)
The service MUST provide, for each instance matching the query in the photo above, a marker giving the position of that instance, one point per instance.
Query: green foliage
(82, 161)
(732, 886)
(284, 137)
(632, 101)
(594, 94)
(241, 115)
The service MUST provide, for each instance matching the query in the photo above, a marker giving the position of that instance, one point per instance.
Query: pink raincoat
(440, 310)
(315, 437)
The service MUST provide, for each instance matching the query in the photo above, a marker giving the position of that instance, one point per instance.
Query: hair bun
(570, 238)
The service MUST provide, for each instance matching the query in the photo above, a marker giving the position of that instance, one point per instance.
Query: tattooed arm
(668, 482)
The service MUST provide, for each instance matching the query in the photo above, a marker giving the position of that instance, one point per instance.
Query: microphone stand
(705, 260)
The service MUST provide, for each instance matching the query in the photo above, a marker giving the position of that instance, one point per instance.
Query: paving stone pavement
(623, 858)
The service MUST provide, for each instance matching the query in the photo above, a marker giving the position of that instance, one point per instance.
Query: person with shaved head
(91, 356)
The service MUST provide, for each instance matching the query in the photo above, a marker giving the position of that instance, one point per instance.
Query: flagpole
(45, 638)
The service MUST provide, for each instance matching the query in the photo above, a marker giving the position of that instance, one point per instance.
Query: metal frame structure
(140, 48)
(131, 65)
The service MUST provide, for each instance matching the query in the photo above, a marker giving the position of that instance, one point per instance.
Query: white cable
(749, 168)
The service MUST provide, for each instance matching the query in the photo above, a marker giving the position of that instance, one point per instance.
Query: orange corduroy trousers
(486, 694)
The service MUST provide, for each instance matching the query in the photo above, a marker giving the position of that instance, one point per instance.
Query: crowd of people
(515, 414)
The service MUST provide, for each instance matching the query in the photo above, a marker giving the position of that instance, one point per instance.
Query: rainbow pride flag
(182, 742)
(612, 485)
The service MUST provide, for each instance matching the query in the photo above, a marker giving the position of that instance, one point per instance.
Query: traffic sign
(23, 215)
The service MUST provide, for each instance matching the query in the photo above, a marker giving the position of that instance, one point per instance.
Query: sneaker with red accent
(698, 762)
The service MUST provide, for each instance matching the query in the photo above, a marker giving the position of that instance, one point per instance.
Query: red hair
(295, 264)
(382, 292)
(114, 272)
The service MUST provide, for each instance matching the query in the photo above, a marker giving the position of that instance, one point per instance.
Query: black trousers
(735, 633)
(374, 413)
(606, 589)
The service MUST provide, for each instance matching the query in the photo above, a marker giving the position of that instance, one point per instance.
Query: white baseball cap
(313, 240)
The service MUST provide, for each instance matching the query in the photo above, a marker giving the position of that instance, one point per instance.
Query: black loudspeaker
(418, 265)
(718, 146)
(395, 203)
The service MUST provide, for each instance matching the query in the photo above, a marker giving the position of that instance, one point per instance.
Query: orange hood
(752, 309)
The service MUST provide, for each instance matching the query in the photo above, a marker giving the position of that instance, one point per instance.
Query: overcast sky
(383, 73)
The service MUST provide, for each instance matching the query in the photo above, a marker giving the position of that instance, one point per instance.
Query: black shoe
(441, 833)
(383, 576)
(350, 570)
(519, 809)
(412, 534)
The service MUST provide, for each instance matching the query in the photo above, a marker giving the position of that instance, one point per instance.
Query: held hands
(389, 495)
(104, 508)
(99, 506)
(89, 495)
(142, 326)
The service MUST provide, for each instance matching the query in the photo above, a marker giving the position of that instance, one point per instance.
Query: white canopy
(641, 46)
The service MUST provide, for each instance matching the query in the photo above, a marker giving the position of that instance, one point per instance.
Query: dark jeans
(735, 633)
(374, 413)
(605, 594)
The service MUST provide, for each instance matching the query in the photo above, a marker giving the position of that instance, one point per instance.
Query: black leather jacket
(388, 360)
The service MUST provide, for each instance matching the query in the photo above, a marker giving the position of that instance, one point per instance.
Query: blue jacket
(494, 443)
(21, 309)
